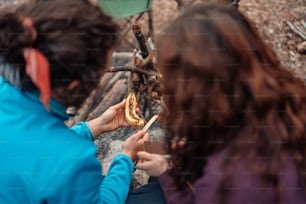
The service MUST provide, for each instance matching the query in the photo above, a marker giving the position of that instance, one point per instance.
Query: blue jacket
(43, 161)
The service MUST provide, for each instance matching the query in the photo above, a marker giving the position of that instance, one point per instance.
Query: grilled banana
(130, 111)
(134, 102)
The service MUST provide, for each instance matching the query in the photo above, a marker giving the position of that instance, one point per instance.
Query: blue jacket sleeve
(82, 130)
(116, 184)
(81, 180)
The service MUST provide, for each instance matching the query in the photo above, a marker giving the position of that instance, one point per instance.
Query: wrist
(96, 127)
(129, 154)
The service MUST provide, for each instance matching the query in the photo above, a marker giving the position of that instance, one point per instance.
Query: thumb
(144, 155)
(143, 165)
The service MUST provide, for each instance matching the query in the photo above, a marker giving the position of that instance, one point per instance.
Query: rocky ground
(270, 17)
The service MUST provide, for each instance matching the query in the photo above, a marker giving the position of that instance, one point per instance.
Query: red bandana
(37, 68)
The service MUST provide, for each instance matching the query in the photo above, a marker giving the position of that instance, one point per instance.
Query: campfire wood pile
(131, 71)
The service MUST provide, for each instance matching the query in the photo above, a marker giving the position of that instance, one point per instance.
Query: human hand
(153, 164)
(110, 120)
(114, 117)
(134, 144)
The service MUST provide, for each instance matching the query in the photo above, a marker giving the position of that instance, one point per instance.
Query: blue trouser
(150, 193)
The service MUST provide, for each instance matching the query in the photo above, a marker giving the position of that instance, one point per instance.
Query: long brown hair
(224, 85)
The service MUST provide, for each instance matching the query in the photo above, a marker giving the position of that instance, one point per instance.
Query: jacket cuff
(82, 129)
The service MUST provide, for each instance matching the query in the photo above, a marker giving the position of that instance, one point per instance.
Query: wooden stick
(149, 123)
(134, 69)
(303, 23)
(300, 30)
(296, 31)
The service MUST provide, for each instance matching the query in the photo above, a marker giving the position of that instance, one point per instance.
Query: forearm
(96, 127)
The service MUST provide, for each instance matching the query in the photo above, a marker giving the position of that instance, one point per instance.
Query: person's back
(52, 55)
(40, 156)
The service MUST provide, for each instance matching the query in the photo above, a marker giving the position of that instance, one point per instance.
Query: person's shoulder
(242, 183)
(236, 180)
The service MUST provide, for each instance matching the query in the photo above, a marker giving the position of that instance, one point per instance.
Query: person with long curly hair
(235, 119)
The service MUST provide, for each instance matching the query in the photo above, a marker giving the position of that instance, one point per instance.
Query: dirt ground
(270, 18)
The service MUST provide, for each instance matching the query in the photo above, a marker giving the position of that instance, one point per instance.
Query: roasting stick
(147, 126)
(149, 123)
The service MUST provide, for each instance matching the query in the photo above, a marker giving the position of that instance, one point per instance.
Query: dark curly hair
(223, 85)
(74, 35)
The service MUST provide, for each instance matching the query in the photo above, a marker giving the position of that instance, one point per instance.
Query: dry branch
(303, 23)
(113, 80)
(134, 69)
(123, 55)
(296, 30)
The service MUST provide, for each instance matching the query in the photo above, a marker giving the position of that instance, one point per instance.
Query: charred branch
(134, 69)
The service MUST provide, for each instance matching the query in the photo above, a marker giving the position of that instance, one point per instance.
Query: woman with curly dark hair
(235, 118)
